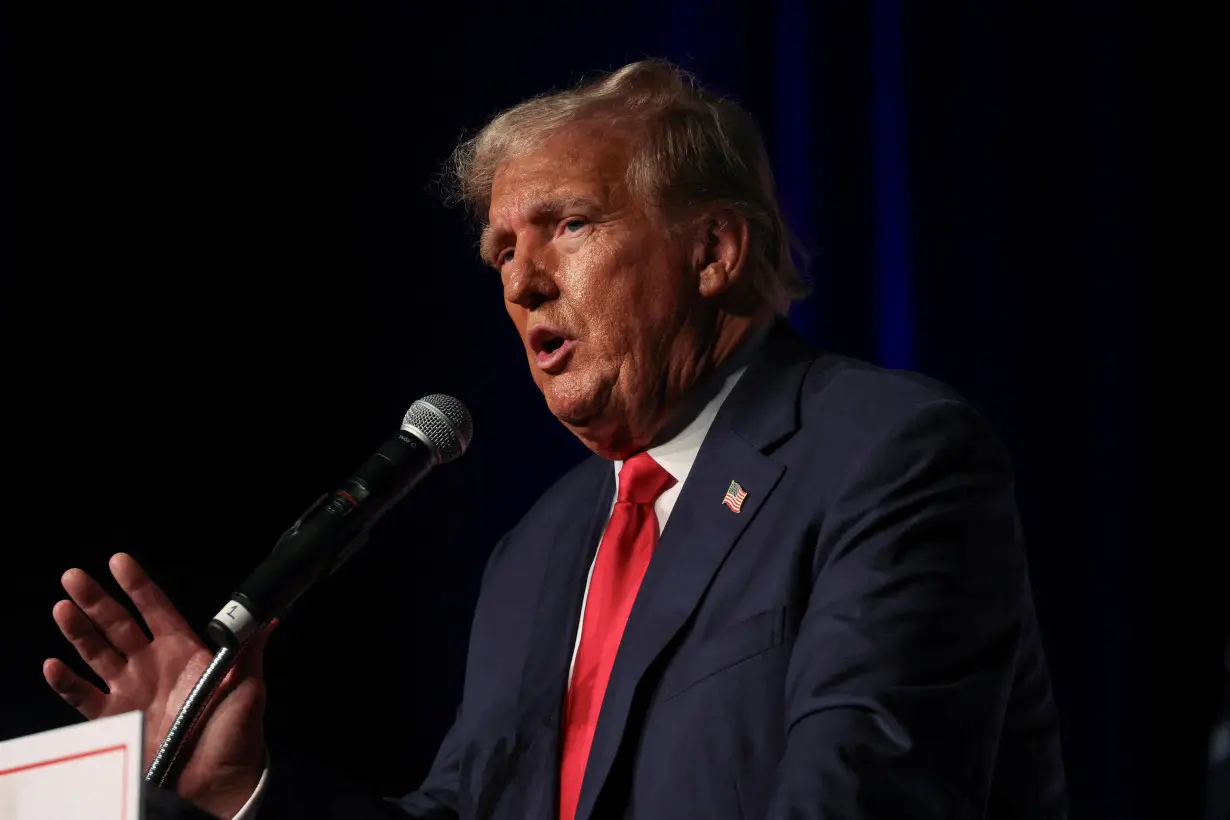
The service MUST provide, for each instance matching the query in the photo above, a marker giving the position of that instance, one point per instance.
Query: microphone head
(444, 421)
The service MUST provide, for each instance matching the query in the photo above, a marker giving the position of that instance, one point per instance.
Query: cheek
(624, 293)
(602, 290)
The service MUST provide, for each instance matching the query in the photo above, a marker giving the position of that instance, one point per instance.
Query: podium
(87, 771)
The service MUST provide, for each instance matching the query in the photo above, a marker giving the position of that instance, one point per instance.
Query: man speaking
(787, 584)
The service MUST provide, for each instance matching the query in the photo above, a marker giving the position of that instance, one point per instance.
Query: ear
(721, 252)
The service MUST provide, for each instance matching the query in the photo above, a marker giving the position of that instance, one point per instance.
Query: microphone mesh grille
(445, 421)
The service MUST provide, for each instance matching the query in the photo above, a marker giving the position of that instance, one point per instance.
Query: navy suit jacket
(858, 642)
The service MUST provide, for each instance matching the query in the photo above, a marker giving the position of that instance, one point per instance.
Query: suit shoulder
(572, 491)
(842, 378)
(575, 485)
(867, 401)
(863, 425)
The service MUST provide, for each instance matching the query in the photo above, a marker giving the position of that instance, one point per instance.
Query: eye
(504, 257)
(575, 224)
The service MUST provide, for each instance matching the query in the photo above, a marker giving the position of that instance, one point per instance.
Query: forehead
(578, 163)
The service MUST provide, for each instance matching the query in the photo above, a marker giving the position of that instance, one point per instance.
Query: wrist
(224, 795)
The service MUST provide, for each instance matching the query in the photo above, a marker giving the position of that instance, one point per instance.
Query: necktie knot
(642, 480)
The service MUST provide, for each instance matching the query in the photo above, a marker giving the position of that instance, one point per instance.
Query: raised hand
(222, 767)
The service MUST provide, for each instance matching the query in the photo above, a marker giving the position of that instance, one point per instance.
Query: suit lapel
(540, 697)
(700, 532)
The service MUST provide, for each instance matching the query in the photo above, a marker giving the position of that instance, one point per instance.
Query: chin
(581, 404)
(574, 411)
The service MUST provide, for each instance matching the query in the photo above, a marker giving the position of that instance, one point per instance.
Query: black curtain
(236, 273)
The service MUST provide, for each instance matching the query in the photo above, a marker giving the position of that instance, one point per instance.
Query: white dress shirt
(676, 456)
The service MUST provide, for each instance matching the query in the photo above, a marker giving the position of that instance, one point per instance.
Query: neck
(732, 333)
(686, 386)
(730, 350)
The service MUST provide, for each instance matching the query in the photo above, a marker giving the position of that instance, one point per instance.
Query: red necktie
(623, 556)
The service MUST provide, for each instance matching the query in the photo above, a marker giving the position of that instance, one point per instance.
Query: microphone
(435, 430)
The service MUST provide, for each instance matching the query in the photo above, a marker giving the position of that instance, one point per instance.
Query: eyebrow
(536, 212)
(486, 244)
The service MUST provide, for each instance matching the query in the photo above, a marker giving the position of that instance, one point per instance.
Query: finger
(113, 622)
(81, 695)
(93, 648)
(155, 607)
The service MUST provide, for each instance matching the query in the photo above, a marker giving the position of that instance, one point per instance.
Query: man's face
(600, 295)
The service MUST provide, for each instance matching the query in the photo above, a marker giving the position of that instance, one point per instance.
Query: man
(799, 592)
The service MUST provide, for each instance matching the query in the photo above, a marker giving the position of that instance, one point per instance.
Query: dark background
(233, 275)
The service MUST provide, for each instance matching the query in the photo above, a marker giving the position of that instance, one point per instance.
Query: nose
(527, 282)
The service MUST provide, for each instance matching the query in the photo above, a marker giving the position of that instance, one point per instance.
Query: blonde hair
(695, 150)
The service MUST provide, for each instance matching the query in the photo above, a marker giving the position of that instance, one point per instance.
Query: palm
(156, 680)
(155, 674)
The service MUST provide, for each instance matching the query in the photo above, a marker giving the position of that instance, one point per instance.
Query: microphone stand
(190, 714)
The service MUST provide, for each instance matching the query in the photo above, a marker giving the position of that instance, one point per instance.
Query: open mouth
(550, 347)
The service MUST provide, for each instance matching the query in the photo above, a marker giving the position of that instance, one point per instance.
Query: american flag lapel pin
(734, 497)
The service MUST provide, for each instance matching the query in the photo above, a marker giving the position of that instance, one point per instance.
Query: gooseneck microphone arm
(435, 430)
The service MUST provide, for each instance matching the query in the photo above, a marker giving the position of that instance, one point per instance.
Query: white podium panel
(89, 771)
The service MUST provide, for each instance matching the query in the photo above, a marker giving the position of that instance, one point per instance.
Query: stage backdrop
(247, 276)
